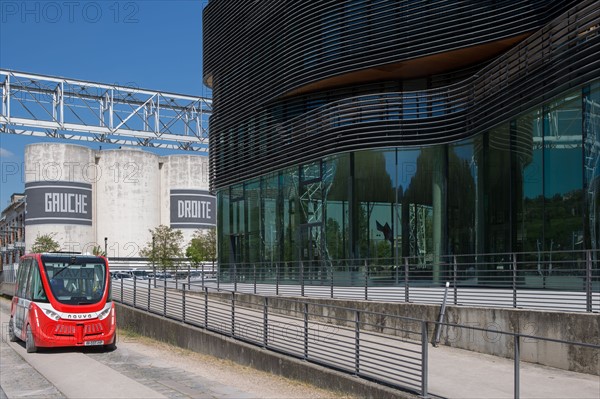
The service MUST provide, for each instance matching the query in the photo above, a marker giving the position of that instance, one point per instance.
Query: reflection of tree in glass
(461, 205)
(562, 221)
(460, 196)
(372, 185)
(334, 242)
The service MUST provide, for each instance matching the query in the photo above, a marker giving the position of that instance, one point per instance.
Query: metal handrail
(558, 280)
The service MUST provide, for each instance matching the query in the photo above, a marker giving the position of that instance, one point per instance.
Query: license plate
(93, 343)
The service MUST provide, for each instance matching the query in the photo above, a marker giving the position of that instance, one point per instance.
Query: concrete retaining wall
(7, 289)
(203, 341)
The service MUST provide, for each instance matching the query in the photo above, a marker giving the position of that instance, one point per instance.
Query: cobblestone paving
(173, 382)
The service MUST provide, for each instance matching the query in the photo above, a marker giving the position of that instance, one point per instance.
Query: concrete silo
(59, 185)
(187, 204)
(128, 199)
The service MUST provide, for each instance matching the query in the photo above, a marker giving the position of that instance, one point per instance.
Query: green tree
(165, 247)
(203, 247)
(45, 243)
(98, 251)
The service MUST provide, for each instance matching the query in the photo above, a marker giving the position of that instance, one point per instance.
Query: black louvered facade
(304, 90)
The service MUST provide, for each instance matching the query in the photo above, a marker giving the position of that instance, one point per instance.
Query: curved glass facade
(529, 184)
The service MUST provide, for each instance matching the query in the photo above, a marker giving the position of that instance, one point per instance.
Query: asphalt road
(139, 368)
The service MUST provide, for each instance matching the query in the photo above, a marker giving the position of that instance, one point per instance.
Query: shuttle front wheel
(29, 342)
(11, 331)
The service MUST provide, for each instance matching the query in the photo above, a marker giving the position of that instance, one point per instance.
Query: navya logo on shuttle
(78, 316)
(58, 202)
(193, 209)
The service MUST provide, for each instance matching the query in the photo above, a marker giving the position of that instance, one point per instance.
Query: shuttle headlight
(51, 314)
(104, 314)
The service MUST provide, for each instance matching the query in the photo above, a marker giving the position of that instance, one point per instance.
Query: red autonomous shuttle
(63, 300)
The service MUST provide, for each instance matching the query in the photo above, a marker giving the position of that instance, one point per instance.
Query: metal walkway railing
(563, 281)
(394, 353)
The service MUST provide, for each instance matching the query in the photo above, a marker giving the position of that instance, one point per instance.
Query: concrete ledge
(7, 289)
(202, 341)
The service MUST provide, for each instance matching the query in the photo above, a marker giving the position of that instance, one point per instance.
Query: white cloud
(4, 153)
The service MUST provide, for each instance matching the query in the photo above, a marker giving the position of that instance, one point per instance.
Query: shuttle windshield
(76, 280)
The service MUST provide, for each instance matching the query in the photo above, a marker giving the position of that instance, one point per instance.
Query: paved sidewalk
(19, 380)
(457, 373)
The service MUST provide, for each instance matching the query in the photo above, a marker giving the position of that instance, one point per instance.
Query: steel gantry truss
(47, 106)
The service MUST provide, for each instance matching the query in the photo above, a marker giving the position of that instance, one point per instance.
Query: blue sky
(146, 43)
